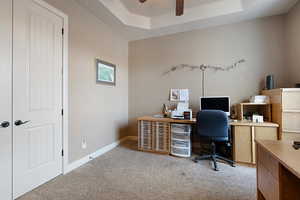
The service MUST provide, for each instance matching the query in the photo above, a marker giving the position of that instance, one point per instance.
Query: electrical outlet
(83, 144)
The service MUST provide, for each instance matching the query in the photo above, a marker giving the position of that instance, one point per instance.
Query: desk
(244, 133)
(193, 121)
(278, 170)
(167, 120)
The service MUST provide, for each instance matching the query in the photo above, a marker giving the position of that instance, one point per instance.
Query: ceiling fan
(179, 6)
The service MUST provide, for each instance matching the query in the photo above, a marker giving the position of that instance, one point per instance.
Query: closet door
(37, 95)
(5, 100)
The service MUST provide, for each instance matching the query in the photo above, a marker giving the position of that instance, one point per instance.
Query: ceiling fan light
(179, 6)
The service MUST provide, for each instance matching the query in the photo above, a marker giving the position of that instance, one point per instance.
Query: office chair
(211, 127)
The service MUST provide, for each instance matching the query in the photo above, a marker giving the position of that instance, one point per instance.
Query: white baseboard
(103, 150)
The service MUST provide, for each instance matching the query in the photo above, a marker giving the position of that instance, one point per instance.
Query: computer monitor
(215, 103)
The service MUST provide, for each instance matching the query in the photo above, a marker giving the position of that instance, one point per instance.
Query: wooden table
(278, 170)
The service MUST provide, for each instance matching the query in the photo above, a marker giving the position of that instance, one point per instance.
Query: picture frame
(106, 72)
(179, 95)
(174, 95)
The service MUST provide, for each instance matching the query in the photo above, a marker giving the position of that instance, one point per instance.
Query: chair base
(214, 159)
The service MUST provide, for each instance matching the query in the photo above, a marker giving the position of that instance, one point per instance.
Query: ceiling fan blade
(179, 7)
(143, 1)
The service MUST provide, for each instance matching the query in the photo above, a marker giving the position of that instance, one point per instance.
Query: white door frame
(65, 87)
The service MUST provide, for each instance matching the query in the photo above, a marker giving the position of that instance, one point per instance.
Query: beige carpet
(127, 174)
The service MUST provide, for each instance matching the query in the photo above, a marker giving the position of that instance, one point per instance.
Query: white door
(37, 95)
(5, 100)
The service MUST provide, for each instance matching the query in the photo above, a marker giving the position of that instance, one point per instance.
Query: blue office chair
(212, 126)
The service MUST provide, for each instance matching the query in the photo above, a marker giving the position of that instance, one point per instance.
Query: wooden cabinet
(266, 133)
(154, 136)
(244, 136)
(286, 111)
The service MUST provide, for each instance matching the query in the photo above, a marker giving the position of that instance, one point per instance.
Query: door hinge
(62, 152)
(62, 31)
(62, 111)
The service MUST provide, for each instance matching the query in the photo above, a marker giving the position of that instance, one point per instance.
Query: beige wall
(293, 44)
(98, 113)
(260, 42)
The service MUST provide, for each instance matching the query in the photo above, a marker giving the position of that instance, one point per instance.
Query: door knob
(5, 124)
(20, 122)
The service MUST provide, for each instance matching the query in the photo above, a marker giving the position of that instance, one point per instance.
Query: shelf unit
(263, 109)
(165, 136)
(154, 136)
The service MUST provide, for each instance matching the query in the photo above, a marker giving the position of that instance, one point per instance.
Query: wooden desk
(193, 121)
(278, 170)
(167, 120)
(244, 133)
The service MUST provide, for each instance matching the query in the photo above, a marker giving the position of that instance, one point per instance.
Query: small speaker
(270, 82)
(297, 85)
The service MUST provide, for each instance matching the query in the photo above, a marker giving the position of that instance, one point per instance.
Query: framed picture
(174, 95)
(106, 72)
(179, 95)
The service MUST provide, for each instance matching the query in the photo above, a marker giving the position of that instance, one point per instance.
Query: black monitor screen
(215, 103)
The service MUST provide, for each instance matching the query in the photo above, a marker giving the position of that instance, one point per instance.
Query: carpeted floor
(127, 174)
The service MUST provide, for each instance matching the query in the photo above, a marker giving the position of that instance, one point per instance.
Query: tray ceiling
(135, 21)
(154, 8)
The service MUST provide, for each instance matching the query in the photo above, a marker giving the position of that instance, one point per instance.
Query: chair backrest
(212, 125)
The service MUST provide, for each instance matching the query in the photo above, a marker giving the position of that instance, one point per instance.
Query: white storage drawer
(291, 100)
(181, 140)
(291, 122)
(181, 143)
(181, 128)
(181, 152)
(181, 135)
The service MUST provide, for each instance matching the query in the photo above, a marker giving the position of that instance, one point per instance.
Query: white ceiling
(135, 21)
(154, 8)
(165, 14)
